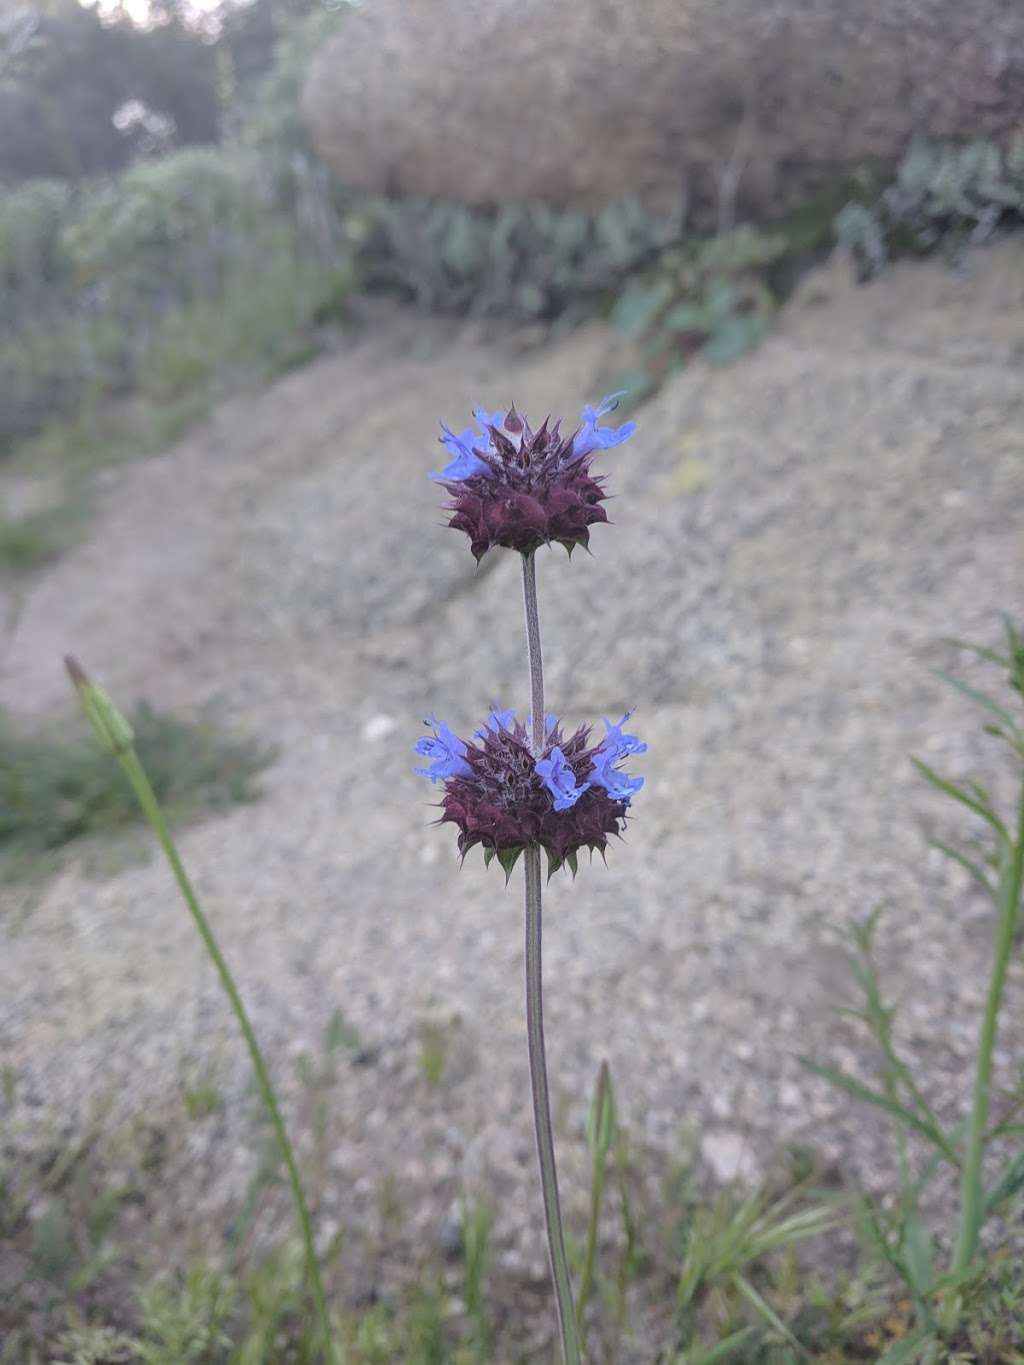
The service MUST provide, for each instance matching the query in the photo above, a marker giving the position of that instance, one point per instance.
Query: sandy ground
(795, 538)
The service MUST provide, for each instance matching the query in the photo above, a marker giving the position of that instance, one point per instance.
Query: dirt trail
(796, 535)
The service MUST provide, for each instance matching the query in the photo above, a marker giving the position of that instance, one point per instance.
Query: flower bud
(109, 726)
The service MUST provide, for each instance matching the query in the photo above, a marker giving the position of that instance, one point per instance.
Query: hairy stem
(542, 1113)
(972, 1194)
(533, 651)
(535, 1008)
(136, 775)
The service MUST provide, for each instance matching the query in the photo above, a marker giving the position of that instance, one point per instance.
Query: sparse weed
(941, 1287)
(201, 1093)
(54, 790)
(434, 1046)
(35, 538)
(184, 1318)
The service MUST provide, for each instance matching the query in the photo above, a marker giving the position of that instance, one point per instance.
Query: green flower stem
(136, 775)
(535, 1009)
(972, 1194)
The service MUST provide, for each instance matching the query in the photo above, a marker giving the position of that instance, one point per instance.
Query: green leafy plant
(899, 1235)
(185, 1317)
(178, 273)
(85, 1345)
(602, 1132)
(35, 538)
(944, 195)
(709, 297)
(725, 1243)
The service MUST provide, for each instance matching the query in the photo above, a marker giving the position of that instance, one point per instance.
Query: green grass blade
(982, 653)
(1011, 1182)
(724, 1348)
(981, 699)
(958, 794)
(919, 1255)
(975, 870)
(909, 1349)
(897, 1111)
(769, 1314)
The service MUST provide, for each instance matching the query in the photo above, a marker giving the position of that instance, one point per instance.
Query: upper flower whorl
(520, 488)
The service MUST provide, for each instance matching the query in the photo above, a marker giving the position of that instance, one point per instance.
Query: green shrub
(37, 537)
(32, 252)
(174, 223)
(55, 790)
(944, 195)
(173, 274)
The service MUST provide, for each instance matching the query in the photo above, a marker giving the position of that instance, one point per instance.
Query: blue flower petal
(466, 464)
(447, 751)
(497, 720)
(619, 785)
(559, 779)
(620, 744)
(591, 437)
(485, 419)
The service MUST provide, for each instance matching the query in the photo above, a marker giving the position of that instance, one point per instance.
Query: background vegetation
(166, 228)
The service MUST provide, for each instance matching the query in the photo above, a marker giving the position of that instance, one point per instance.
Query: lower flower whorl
(502, 796)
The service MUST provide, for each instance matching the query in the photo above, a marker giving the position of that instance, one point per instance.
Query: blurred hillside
(168, 229)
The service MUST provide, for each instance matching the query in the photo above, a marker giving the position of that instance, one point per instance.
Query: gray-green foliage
(84, 1345)
(31, 248)
(99, 285)
(709, 296)
(176, 271)
(164, 224)
(520, 260)
(34, 538)
(185, 1318)
(944, 194)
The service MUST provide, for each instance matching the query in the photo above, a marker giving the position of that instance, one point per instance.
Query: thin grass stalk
(972, 1200)
(590, 1254)
(535, 1008)
(136, 775)
(116, 736)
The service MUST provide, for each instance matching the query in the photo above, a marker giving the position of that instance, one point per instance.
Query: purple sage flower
(521, 488)
(501, 796)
